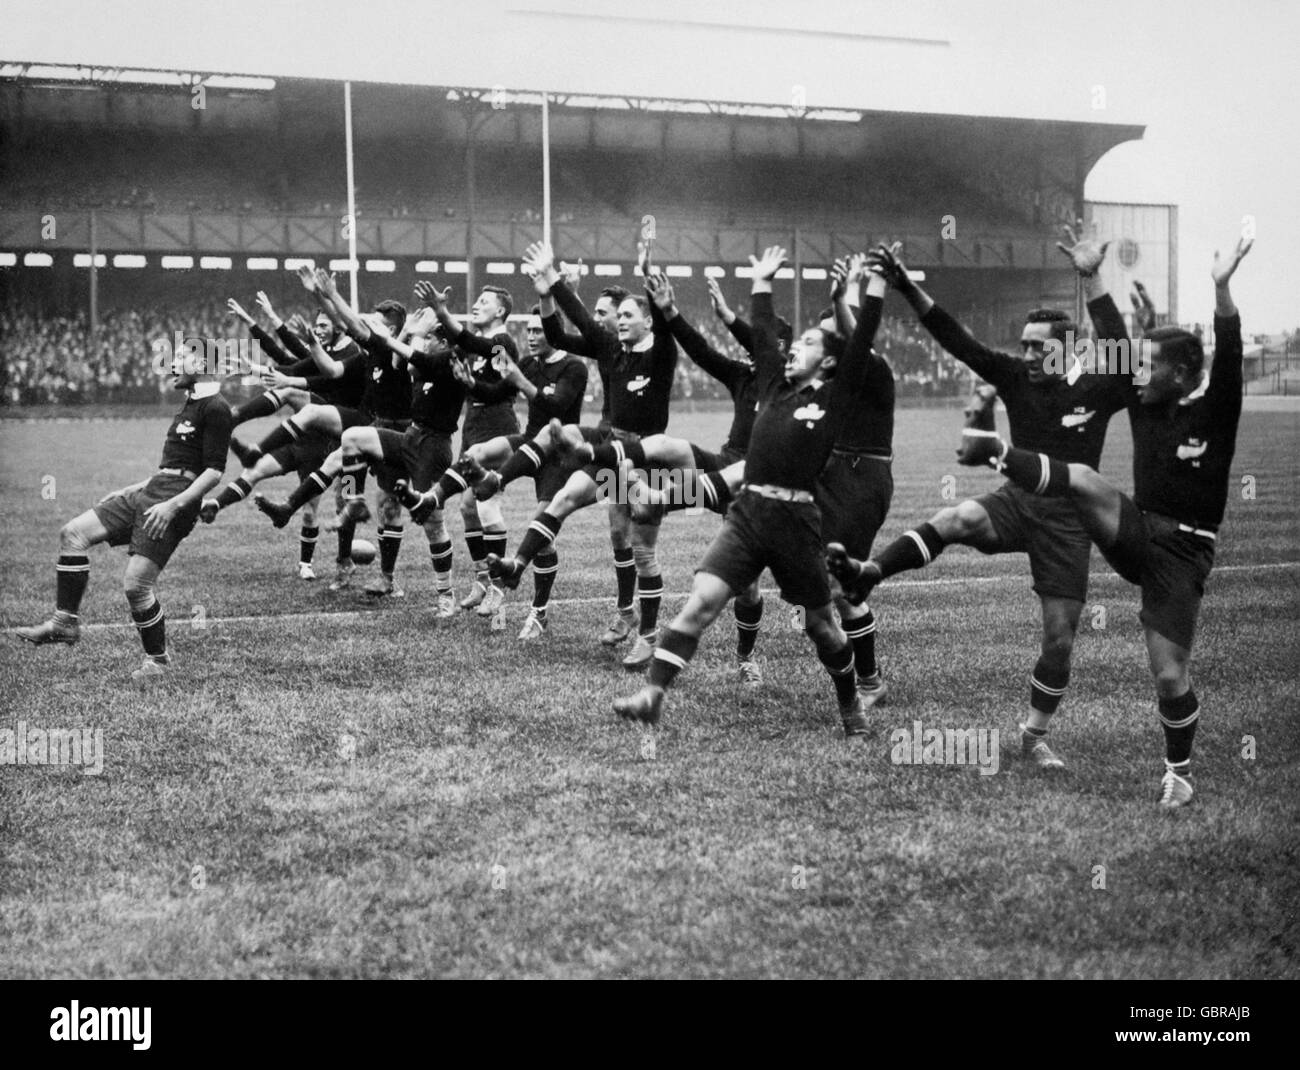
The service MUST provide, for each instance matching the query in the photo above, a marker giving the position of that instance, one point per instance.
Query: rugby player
(1048, 408)
(414, 458)
(640, 384)
(1162, 539)
(774, 522)
(151, 518)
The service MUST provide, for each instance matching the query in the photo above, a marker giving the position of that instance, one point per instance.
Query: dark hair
(536, 310)
(618, 294)
(784, 332)
(395, 309)
(1179, 347)
(833, 344)
(1060, 321)
(642, 302)
(507, 302)
(827, 313)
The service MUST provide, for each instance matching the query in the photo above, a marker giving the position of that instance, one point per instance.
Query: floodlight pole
(798, 278)
(94, 281)
(352, 194)
(546, 168)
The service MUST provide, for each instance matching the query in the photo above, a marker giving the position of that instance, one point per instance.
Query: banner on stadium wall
(1143, 248)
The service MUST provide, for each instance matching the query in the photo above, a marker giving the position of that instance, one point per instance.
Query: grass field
(327, 787)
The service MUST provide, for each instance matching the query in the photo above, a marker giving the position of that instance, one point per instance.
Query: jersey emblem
(377, 374)
(639, 383)
(809, 414)
(1077, 418)
(548, 389)
(185, 428)
(1193, 449)
(428, 387)
(479, 364)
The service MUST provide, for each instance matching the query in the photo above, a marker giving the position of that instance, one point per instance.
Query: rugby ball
(363, 551)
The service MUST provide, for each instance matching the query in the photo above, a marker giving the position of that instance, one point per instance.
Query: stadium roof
(922, 57)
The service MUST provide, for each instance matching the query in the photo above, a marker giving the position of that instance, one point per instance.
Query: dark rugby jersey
(1182, 452)
(1066, 421)
(270, 345)
(437, 396)
(491, 400)
(388, 383)
(796, 429)
(595, 341)
(291, 342)
(640, 380)
(561, 382)
(736, 375)
(199, 436)
(869, 426)
(348, 391)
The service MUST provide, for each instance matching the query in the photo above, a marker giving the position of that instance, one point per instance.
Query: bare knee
(646, 559)
(1172, 679)
(390, 509)
(72, 540)
(958, 521)
(820, 627)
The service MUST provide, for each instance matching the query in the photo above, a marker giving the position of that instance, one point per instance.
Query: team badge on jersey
(184, 429)
(1078, 418)
(810, 414)
(639, 383)
(1191, 450)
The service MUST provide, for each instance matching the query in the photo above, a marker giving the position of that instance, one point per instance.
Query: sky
(1213, 82)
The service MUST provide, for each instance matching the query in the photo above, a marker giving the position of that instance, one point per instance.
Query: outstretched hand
(1224, 267)
(237, 310)
(571, 273)
(325, 282)
(307, 276)
(1144, 309)
(839, 275)
(540, 257)
(767, 265)
(264, 303)
(660, 290)
(1085, 254)
(720, 307)
(885, 261)
(433, 297)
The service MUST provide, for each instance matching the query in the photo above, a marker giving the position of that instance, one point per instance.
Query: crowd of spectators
(52, 359)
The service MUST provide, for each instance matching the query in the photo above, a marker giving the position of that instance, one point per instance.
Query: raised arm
(740, 330)
(1225, 371)
(767, 349)
(987, 363)
(860, 360)
(694, 344)
(338, 310)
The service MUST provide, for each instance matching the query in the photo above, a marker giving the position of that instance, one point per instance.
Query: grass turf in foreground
(376, 794)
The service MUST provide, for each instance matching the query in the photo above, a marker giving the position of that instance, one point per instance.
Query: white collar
(203, 390)
(1199, 392)
(645, 345)
(556, 355)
